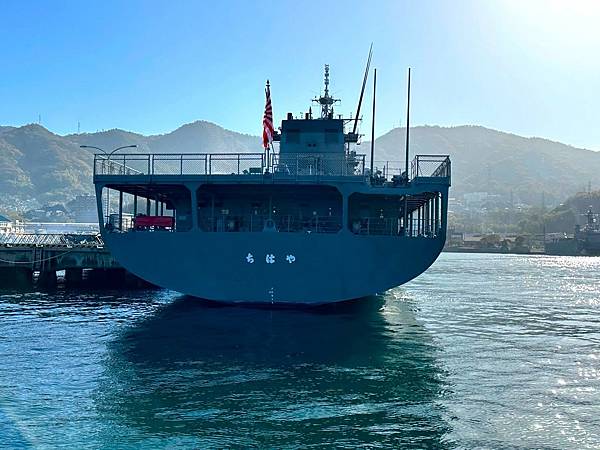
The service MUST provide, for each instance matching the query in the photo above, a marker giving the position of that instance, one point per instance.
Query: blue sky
(529, 67)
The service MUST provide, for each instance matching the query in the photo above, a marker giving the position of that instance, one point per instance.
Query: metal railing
(125, 164)
(296, 165)
(180, 164)
(392, 226)
(260, 223)
(318, 164)
(51, 240)
(388, 169)
(376, 226)
(431, 166)
(300, 164)
(421, 166)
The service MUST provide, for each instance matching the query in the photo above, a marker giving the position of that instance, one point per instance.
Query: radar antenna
(325, 100)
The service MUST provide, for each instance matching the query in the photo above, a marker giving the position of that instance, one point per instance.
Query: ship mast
(325, 100)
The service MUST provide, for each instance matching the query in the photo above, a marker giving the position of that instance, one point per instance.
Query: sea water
(491, 351)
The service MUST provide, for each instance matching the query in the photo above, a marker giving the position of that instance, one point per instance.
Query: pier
(35, 259)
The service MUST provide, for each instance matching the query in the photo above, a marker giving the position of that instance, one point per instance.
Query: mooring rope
(37, 260)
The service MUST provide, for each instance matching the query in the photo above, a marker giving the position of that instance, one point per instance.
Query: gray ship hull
(306, 268)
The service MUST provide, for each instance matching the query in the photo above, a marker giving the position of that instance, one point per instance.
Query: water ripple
(485, 351)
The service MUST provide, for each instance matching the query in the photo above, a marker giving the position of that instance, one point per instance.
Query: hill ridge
(37, 163)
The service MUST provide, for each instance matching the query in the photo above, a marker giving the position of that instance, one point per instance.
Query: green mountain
(195, 137)
(485, 160)
(109, 140)
(204, 137)
(35, 163)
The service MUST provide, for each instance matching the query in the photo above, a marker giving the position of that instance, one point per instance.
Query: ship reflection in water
(208, 375)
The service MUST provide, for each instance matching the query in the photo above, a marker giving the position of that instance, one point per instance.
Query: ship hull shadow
(365, 371)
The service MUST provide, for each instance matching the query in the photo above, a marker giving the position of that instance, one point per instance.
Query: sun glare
(557, 27)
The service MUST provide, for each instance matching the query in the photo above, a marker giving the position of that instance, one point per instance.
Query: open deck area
(250, 192)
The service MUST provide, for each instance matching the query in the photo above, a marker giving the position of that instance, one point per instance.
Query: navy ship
(587, 237)
(308, 221)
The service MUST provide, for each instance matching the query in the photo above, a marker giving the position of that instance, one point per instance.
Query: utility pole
(543, 201)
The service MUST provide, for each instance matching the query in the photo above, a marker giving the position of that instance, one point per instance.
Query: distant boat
(584, 242)
(588, 236)
(307, 224)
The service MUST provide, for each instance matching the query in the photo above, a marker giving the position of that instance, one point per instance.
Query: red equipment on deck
(144, 222)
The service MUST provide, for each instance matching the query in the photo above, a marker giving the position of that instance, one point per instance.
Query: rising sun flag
(268, 119)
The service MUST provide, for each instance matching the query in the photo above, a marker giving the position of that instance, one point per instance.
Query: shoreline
(501, 252)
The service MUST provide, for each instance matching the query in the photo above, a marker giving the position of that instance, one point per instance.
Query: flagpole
(272, 153)
(268, 128)
(267, 92)
(268, 157)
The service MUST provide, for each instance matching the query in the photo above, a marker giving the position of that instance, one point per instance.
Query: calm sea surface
(492, 351)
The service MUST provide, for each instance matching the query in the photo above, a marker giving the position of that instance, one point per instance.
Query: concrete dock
(35, 259)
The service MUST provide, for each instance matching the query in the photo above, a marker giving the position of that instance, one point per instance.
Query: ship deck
(241, 191)
(252, 168)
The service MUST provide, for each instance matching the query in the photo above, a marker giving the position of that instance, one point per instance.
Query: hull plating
(274, 267)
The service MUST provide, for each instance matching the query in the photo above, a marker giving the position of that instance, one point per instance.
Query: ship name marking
(270, 258)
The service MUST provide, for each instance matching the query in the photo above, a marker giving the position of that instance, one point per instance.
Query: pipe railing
(295, 164)
(280, 223)
(318, 164)
(288, 164)
(433, 166)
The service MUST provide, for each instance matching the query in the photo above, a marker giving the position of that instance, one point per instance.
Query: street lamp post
(108, 159)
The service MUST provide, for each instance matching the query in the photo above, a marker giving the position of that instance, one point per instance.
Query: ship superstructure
(587, 237)
(309, 223)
